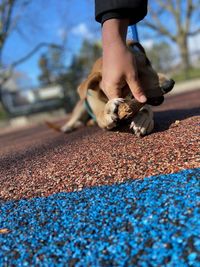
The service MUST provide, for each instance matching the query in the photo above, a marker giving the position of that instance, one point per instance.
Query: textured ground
(39, 162)
(150, 222)
(141, 222)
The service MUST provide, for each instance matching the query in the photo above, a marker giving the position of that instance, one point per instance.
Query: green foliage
(3, 114)
(192, 73)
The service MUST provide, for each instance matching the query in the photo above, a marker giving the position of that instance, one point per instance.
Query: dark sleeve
(135, 10)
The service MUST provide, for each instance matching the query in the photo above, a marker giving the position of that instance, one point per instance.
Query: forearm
(114, 31)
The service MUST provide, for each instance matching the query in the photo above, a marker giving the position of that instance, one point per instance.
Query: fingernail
(143, 99)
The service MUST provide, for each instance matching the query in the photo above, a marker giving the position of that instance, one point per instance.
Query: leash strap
(89, 110)
(134, 31)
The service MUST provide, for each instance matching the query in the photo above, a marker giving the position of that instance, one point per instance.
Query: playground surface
(97, 198)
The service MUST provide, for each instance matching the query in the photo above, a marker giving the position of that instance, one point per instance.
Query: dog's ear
(92, 82)
(132, 45)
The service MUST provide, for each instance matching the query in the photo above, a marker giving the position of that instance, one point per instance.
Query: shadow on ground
(164, 119)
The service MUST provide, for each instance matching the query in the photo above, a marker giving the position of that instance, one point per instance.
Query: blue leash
(134, 31)
(89, 110)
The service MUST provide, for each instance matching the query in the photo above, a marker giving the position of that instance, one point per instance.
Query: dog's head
(154, 84)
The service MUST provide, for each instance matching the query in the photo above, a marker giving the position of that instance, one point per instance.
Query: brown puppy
(93, 102)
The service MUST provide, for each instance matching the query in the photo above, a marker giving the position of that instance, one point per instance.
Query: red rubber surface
(38, 161)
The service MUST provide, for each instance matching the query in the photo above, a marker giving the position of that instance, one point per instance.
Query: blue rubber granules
(150, 222)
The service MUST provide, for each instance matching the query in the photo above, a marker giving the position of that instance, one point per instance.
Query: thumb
(136, 90)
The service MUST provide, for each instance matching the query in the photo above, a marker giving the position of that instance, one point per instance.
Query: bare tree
(10, 15)
(176, 20)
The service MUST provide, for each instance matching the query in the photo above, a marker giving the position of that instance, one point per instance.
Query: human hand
(119, 66)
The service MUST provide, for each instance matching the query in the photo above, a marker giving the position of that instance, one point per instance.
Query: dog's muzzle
(166, 88)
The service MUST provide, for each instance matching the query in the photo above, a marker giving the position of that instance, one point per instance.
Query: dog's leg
(78, 118)
(143, 123)
(109, 116)
(105, 113)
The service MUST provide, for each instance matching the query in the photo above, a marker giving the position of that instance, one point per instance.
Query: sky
(51, 21)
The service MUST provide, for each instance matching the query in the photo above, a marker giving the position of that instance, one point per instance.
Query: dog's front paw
(143, 123)
(110, 113)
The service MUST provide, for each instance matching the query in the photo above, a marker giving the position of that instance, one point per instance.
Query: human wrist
(114, 32)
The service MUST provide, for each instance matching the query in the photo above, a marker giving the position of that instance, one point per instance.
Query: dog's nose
(167, 86)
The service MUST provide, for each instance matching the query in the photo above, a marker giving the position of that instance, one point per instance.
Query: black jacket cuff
(123, 14)
(134, 10)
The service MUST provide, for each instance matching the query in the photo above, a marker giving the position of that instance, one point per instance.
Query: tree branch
(7, 22)
(32, 52)
(193, 33)
(155, 22)
(6, 16)
(189, 10)
(174, 10)
(8, 73)
(160, 30)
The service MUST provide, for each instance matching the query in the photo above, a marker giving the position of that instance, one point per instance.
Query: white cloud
(82, 31)
(61, 33)
(148, 44)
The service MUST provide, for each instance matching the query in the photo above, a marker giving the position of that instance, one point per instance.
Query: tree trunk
(2, 102)
(183, 45)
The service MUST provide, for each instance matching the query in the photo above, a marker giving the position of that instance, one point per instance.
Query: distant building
(33, 100)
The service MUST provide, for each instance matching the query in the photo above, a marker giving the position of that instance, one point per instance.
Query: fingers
(114, 90)
(111, 91)
(120, 71)
(133, 81)
(136, 89)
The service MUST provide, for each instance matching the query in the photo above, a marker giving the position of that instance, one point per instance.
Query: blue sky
(50, 21)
